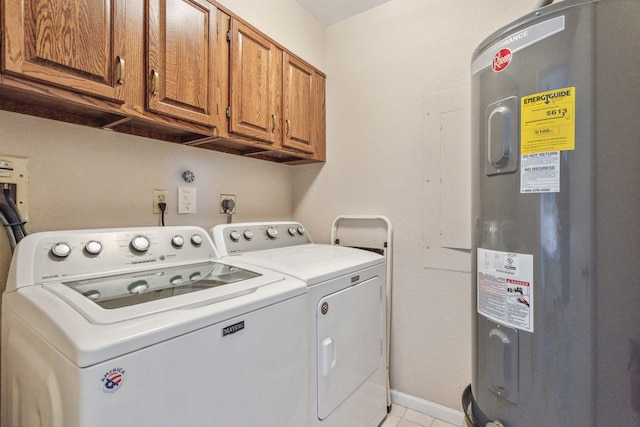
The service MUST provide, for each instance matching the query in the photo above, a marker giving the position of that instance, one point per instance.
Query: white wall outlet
(187, 201)
(160, 196)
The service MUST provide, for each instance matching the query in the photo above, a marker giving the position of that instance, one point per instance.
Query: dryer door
(349, 341)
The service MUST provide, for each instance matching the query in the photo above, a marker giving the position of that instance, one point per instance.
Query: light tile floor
(404, 417)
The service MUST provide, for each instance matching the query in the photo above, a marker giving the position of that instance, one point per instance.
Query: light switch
(187, 200)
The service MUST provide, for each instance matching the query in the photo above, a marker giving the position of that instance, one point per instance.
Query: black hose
(11, 223)
(467, 405)
(5, 224)
(12, 205)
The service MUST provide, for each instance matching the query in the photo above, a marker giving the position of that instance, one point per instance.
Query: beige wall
(379, 66)
(89, 178)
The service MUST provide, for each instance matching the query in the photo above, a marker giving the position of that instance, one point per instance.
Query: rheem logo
(501, 60)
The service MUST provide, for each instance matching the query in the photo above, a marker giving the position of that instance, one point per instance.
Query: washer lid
(87, 333)
(313, 263)
(115, 298)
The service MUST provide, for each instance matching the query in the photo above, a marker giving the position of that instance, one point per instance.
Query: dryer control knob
(196, 240)
(235, 236)
(248, 234)
(93, 247)
(272, 233)
(140, 243)
(177, 241)
(292, 231)
(61, 250)
(301, 231)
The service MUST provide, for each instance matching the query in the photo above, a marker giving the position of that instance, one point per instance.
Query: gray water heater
(556, 271)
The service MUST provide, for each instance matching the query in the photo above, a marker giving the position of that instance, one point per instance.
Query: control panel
(65, 255)
(257, 236)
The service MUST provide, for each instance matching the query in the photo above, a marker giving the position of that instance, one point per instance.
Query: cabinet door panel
(255, 84)
(74, 44)
(181, 51)
(299, 112)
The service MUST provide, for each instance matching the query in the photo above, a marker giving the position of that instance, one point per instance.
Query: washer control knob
(61, 250)
(93, 247)
(92, 294)
(194, 277)
(272, 233)
(140, 243)
(301, 230)
(138, 287)
(176, 280)
(196, 240)
(234, 235)
(248, 234)
(292, 231)
(177, 241)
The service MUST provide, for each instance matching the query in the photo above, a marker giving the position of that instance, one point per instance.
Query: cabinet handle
(121, 77)
(273, 122)
(288, 126)
(156, 77)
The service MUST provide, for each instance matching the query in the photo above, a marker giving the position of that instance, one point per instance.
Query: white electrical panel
(14, 170)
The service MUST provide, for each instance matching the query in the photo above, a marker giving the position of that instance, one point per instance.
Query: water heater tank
(556, 138)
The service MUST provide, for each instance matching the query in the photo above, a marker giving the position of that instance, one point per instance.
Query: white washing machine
(347, 316)
(146, 327)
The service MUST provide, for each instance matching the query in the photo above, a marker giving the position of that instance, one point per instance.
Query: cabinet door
(299, 105)
(181, 53)
(73, 44)
(256, 85)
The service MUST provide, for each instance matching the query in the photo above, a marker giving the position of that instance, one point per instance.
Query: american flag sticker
(112, 380)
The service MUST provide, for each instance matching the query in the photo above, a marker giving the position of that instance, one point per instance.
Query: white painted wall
(88, 178)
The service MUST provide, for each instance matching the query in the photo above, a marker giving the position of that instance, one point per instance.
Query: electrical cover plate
(187, 200)
(15, 170)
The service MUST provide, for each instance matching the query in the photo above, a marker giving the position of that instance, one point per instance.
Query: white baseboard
(435, 410)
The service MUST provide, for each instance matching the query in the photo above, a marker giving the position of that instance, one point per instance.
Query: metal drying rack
(358, 224)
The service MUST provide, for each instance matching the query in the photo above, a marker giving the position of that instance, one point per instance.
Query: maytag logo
(232, 329)
(354, 279)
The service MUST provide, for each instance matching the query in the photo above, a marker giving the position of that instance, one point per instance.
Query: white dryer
(146, 327)
(347, 316)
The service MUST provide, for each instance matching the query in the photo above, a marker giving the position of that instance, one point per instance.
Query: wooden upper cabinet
(72, 44)
(256, 85)
(275, 97)
(299, 105)
(181, 53)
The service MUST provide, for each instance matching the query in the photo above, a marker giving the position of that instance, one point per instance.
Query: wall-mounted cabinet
(303, 105)
(76, 45)
(256, 86)
(181, 55)
(275, 97)
(184, 71)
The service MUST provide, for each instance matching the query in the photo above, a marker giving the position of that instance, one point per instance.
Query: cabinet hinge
(228, 111)
(229, 35)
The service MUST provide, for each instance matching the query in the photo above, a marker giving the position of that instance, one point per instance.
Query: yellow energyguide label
(548, 121)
